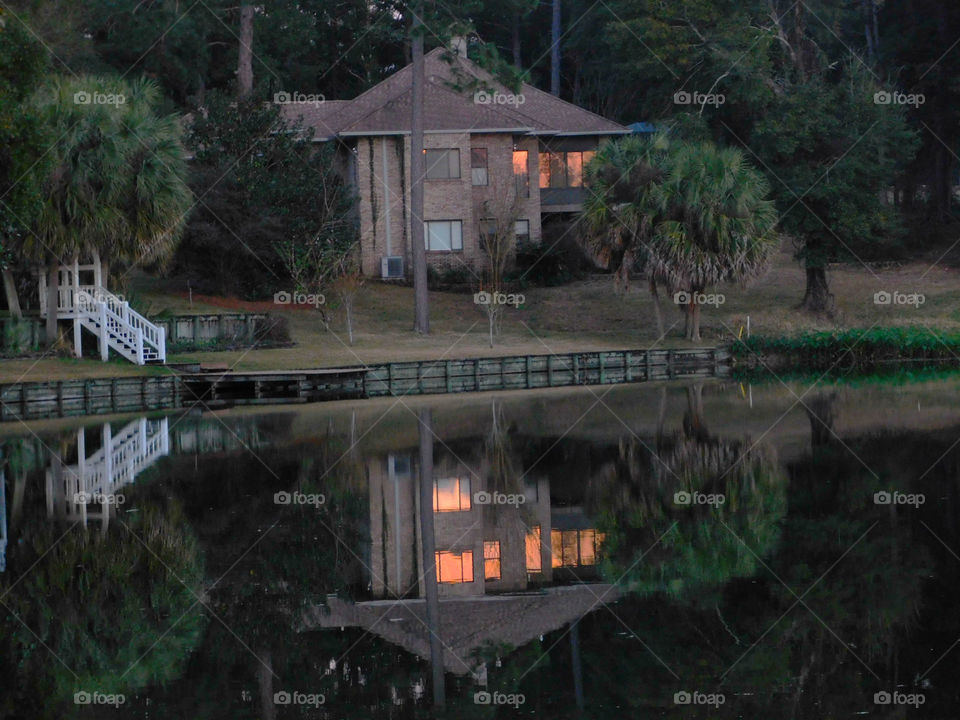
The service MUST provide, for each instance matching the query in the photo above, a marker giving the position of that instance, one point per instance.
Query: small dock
(223, 388)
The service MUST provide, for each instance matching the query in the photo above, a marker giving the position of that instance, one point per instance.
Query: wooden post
(528, 372)
(97, 271)
(603, 374)
(104, 347)
(549, 371)
(162, 342)
(627, 370)
(448, 378)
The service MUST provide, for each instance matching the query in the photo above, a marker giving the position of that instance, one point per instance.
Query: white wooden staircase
(89, 490)
(110, 318)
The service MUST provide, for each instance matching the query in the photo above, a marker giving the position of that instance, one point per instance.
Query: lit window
(478, 165)
(451, 494)
(574, 548)
(443, 235)
(521, 171)
(491, 560)
(443, 164)
(454, 568)
(574, 169)
(534, 564)
(563, 169)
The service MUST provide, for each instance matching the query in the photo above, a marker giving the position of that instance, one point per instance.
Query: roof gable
(386, 107)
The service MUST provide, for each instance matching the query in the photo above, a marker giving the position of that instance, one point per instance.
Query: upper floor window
(442, 164)
(563, 169)
(521, 172)
(478, 166)
(451, 494)
(574, 548)
(443, 235)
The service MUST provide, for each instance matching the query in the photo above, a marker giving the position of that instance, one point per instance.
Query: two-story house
(479, 146)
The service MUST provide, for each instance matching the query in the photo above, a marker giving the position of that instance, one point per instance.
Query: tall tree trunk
(577, 665)
(428, 554)
(10, 290)
(555, 50)
(268, 707)
(515, 38)
(53, 283)
(657, 310)
(245, 54)
(817, 298)
(421, 311)
(694, 314)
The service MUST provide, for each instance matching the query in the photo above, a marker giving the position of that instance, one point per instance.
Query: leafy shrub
(853, 347)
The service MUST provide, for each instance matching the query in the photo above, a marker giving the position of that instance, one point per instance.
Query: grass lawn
(585, 315)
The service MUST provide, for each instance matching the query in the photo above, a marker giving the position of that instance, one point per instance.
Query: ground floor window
(522, 231)
(534, 563)
(454, 568)
(491, 560)
(443, 235)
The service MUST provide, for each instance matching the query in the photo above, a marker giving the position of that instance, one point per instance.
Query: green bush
(853, 347)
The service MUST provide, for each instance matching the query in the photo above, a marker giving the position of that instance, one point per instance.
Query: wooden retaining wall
(62, 398)
(29, 401)
(523, 372)
(197, 329)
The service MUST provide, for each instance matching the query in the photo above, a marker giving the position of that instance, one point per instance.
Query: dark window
(478, 166)
(443, 164)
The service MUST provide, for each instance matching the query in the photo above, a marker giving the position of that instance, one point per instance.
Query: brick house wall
(382, 177)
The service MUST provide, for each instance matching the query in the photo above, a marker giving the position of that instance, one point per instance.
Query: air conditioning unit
(391, 267)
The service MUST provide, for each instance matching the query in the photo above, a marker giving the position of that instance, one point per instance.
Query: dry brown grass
(585, 315)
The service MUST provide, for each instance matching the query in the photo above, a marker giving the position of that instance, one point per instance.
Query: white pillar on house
(75, 301)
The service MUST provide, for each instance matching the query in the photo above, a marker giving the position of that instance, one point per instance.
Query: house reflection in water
(507, 573)
(483, 547)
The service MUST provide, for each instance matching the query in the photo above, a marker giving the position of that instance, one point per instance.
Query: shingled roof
(386, 107)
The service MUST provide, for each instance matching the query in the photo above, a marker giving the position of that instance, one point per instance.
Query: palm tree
(720, 226)
(688, 216)
(117, 185)
(625, 206)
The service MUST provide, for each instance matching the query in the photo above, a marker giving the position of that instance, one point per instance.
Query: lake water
(684, 550)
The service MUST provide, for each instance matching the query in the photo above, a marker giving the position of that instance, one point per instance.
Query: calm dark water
(713, 550)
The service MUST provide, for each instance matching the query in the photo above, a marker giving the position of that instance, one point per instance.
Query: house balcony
(562, 199)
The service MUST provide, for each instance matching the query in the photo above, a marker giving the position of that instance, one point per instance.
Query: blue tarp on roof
(642, 127)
